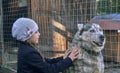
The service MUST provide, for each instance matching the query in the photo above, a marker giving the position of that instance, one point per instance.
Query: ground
(112, 70)
(3, 70)
(111, 67)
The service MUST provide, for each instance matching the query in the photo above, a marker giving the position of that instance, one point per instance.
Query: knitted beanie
(24, 28)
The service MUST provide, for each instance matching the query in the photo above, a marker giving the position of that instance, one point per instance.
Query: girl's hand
(74, 54)
(67, 52)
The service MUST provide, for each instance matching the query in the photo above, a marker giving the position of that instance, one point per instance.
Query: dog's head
(91, 36)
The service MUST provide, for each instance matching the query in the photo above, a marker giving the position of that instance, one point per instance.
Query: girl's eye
(36, 32)
(92, 30)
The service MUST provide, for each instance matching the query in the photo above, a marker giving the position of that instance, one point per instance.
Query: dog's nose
(102, 37)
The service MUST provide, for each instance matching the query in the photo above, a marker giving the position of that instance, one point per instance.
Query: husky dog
(90, 40)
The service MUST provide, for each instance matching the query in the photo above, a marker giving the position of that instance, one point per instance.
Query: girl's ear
(80, 26)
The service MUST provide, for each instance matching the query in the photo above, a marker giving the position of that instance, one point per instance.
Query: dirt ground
(4, 70)
(112, 67)
(112, 70)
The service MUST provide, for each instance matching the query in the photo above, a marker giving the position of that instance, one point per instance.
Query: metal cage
(57, 20)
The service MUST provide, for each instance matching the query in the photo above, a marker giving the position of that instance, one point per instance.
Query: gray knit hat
(24, 28)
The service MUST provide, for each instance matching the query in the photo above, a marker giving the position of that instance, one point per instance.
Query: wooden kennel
(111, 27)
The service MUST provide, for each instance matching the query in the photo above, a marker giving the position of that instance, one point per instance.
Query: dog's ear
(80, 26)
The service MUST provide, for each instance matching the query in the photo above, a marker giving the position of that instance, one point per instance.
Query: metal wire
(57, 21)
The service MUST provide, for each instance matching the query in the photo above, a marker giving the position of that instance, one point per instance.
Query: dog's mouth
(98, 43)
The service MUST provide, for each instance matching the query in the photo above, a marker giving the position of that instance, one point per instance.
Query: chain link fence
(57, 20)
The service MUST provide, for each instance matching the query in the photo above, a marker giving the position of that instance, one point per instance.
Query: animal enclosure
(57, 21)
(111, 25)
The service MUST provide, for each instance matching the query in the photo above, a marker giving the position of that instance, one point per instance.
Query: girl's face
(34, 39)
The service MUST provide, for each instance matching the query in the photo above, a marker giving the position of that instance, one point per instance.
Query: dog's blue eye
(92, 30)
(100, 29)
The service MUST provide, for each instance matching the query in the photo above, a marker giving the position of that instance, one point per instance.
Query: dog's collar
(91, 52)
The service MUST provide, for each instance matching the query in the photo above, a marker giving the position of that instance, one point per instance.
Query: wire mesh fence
(57, 21)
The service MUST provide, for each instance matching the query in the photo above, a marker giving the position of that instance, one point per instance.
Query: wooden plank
(118, 52)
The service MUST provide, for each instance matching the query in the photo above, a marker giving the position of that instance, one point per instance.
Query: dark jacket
(30, 61)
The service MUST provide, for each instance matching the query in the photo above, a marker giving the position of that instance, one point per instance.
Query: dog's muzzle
(101, 42)
(102, 38)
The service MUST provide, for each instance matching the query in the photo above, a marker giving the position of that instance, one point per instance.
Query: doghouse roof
(108, 21)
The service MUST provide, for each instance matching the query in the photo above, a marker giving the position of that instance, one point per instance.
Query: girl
(30, 59)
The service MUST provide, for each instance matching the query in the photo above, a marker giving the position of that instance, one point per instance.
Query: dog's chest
(89, 64)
